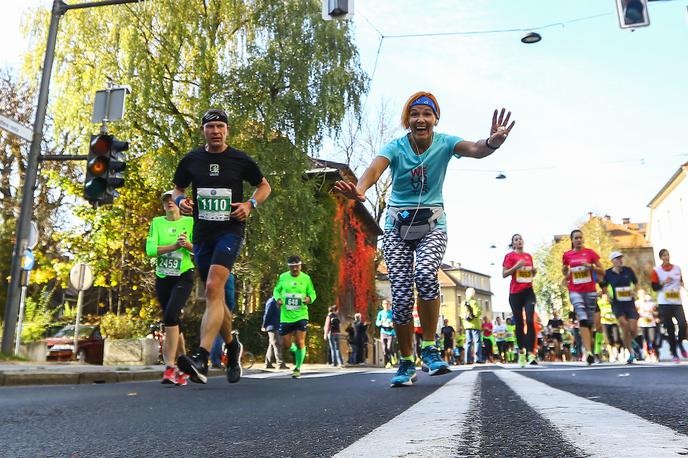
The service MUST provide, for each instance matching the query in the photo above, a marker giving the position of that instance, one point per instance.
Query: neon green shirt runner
(292, 291)
(606, 313)
(165, 232)
(510, 333)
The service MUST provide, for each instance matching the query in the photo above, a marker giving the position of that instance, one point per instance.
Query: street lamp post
(26, 209)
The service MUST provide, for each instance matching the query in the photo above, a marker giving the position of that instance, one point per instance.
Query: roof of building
(626, 235)
(669, 186)
(450, 267)
(444, 279)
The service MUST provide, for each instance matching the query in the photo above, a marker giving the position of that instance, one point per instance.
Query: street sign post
(109, 104)
(33, 236)
(81, 279)
(28, 261)
(13, 127)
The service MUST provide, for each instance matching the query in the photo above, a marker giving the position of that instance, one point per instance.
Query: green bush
(250, 335)
(190, 325)
(248, 325)
(37, 316)
(316, 346)
(125, 326)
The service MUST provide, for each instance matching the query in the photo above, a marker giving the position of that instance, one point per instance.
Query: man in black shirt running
(216, 173)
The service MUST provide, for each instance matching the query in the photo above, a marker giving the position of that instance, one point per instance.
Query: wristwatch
(254, 202)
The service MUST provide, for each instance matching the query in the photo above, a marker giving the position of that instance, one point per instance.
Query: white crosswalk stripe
(435, 427)
(307, 374)
(594, 427)
(422, 429)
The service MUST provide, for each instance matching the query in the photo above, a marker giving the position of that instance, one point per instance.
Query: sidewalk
(20, 373)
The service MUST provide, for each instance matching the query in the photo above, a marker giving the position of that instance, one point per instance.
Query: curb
(82, 378)
(74, 378)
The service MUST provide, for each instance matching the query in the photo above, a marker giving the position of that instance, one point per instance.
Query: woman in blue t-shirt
(415, 222)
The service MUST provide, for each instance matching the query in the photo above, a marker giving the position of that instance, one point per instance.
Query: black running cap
(214, 114)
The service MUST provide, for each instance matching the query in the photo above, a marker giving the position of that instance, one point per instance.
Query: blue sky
(600, 111)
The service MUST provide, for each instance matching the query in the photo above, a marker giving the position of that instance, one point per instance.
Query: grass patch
(6, 357)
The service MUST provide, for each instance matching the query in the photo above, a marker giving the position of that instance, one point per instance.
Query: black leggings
(172, 293)
(611, 331)
(650, 337)
(666, 314)
(525, 300)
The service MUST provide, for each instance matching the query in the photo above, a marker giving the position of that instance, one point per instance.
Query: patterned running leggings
(429, 252)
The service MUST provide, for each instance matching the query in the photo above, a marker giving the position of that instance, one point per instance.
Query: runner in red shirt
(579, 266)
(519, 265)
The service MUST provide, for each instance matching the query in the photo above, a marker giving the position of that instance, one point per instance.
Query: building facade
(669, 221)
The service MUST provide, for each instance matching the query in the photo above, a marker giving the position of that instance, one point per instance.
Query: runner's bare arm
(243, 209)
(499, 130)
(262, 191)
(369, 178)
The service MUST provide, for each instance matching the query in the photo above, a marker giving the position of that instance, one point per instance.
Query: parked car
(89, 349)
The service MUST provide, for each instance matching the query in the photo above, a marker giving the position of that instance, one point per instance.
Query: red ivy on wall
(356, 260)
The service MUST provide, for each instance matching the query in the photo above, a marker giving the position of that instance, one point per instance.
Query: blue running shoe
(432, 362)
(406, 374)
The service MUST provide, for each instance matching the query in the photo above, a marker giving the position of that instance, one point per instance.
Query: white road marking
(304, 374)
(431, 427)
(594, 427)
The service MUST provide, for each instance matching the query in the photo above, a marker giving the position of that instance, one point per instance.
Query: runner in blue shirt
(415, 226)
(621, 281)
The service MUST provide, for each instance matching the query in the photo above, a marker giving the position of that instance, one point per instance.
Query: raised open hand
(499, 130)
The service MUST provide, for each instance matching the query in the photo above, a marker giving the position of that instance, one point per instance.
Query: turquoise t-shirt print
(418, 179)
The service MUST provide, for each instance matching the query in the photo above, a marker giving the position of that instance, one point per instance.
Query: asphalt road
(483, 412)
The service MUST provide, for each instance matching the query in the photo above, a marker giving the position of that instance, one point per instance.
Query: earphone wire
(422, 180)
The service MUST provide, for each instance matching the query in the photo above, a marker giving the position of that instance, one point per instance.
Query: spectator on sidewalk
(459, 344)
(331, 331)
(470, 312)
(360, 339)
(351, 360)
(384, 322)
(271, 322)
(448, 336)
(488, 340)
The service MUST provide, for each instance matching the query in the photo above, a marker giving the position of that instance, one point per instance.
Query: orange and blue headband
(427, 101)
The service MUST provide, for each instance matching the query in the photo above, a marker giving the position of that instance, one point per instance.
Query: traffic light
(97, 168)
(632, 13)
(116, 166)
(104, 165)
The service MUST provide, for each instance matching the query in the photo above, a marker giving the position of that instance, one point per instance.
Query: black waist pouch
(414, 223)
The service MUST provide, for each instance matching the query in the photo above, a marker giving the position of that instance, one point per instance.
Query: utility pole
(26, 210)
